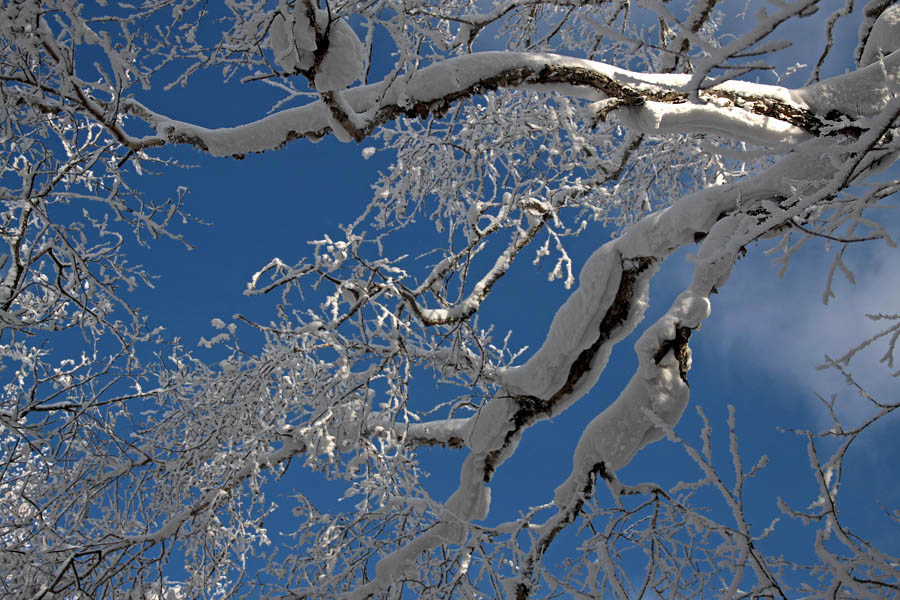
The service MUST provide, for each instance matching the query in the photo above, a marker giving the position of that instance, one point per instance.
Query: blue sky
(758, 350)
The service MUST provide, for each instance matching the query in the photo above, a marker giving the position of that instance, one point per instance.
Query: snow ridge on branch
(776, 115)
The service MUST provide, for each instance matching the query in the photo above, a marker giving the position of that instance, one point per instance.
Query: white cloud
(783, 326)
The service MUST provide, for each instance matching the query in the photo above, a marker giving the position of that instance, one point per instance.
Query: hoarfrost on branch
(514, 126)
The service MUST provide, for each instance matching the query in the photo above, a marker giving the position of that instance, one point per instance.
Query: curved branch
(432, 90)
(605, 308)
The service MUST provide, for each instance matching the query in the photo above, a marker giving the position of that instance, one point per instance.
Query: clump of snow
(217, 339)
(574, 328)
(304, 34)
(293, 41)
(863, 92)
(884, 37)
(338, 129)
(343, 62)
(734, 123)
(614, 436)
(491, 424)
(440, 431)
(285, 43)
(471, 501)
(714, 260)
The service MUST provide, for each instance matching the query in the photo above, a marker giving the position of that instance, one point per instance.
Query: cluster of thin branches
(123, 454)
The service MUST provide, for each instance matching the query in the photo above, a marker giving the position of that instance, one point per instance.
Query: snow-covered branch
(764, 114)
(132, 466)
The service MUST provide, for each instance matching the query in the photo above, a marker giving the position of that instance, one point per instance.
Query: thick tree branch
(432, 90)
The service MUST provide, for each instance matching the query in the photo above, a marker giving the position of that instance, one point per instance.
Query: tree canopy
(133, 466)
